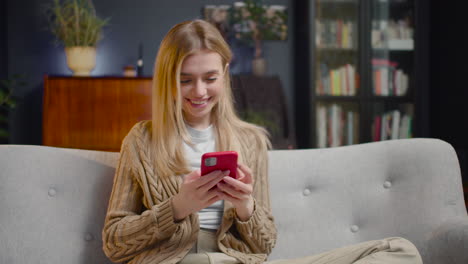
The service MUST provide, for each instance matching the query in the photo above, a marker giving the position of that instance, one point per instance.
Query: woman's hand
(239, 192)
(196, 193)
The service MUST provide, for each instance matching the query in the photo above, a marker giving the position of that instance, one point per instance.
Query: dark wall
(3, 40)
(31, 49)
(449, 71)
(3, 63)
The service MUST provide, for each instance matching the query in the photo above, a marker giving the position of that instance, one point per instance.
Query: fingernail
(226, 172)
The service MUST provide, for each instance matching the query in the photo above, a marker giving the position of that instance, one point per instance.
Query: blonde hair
(168, 125)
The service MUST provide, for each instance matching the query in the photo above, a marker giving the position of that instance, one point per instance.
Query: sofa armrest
(448, 244)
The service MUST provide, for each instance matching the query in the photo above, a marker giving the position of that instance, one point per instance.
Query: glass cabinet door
(392, 64)
(392, 46)
(336, 47)
(336, 76)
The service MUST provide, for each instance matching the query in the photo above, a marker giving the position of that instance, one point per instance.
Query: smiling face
(201, 83)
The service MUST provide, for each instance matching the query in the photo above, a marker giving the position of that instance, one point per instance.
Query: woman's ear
(225, 68)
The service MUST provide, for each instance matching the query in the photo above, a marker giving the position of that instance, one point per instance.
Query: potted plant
(8, 102)
(253, 22)
(76, 25)
(261, 118)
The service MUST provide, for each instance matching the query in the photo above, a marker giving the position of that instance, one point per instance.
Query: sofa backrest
(328, 198)
(52, 204)
(53, 200)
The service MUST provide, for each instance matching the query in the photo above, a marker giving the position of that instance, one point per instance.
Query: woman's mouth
(198, 103)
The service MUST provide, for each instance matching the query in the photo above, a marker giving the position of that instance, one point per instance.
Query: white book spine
(397, 82)
(404, 127)
(395, 124)
(404, 84)
(322, 126)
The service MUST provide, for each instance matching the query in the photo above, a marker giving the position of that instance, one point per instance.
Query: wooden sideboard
(97, 112)
(93, 113)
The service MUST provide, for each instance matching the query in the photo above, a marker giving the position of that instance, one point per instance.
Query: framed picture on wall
(245, 26)
(218, 15)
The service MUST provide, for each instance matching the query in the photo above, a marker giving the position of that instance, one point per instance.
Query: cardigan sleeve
(129, 227)
(259, 231)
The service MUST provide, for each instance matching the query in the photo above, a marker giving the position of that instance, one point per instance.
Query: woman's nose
(199, 89)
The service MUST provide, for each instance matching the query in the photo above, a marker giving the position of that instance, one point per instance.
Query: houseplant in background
(261, 118)
(8, 102)
(254, 22)
(76, 25)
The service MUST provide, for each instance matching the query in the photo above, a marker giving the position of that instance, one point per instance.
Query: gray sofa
(53, 200)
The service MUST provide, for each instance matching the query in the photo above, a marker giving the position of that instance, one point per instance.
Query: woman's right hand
(196, 193)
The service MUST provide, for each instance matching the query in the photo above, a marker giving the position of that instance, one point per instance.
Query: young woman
(162, 210)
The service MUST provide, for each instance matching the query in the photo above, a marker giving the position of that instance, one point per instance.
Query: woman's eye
(184, 81)
(211, 79)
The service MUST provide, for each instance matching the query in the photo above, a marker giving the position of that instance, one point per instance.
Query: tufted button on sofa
(53, 200)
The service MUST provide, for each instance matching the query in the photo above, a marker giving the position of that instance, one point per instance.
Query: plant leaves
(3, 133)
(11, 103)
(75, 23)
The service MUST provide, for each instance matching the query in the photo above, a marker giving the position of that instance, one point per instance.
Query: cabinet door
(392, 69)
(93, 113)
(336, 58)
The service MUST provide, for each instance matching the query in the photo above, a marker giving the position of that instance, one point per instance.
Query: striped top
(139, 226)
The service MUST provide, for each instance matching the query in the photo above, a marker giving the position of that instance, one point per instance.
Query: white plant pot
(81, 60)
(259, 66)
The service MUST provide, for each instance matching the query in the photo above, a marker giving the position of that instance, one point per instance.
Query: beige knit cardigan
(139, 226)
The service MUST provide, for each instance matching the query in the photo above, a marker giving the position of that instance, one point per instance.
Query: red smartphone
(221, 160)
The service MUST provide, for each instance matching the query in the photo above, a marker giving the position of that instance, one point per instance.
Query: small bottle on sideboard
(140, 61)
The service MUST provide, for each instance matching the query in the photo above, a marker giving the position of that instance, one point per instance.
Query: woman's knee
(405, 247)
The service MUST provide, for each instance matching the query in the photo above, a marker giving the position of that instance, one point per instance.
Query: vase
(81, 60)
(259, 66)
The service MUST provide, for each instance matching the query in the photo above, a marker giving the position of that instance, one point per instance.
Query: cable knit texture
(139, 227)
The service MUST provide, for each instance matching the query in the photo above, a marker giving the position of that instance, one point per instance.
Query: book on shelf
(392, 125)
(392, 34)
(334, 33)
(321, 126)
(395, 124)
(352, 127)
(337, 82)
(336, 126)
(388, 79)
(376, 128)
(401, 44)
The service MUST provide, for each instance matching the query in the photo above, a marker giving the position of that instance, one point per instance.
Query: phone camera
(210, 161)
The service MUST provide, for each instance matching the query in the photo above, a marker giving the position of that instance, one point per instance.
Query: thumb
(192, 176)
(247, 174)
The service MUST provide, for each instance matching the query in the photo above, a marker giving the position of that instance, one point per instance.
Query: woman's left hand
(239, 191)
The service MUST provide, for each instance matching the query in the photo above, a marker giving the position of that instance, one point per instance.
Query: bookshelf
(361, 71)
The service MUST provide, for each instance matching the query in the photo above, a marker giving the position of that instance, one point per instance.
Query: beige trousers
(389, 250)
